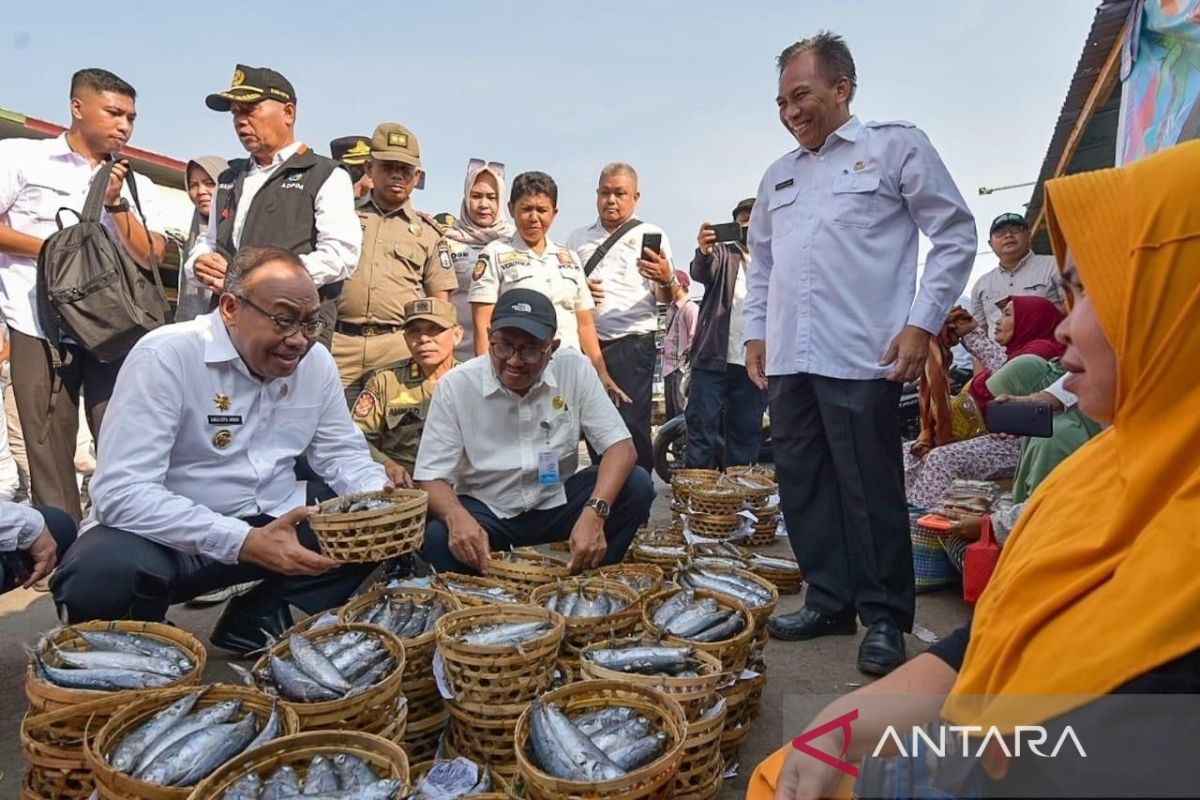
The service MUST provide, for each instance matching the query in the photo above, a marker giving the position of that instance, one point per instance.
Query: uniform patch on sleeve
(365, 405)
(480, 267)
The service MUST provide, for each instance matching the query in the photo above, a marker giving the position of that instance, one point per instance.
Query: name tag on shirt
(547, 468)
(224, 419)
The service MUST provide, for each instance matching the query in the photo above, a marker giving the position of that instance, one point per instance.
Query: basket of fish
(52, 744)
(474, 591)
(714, 622)
(346, 765)
(760, 470)
(410, 613)
(784, 573)
(717, 499)
(664, 553)
(77, 663)
(499, 654)
(526, 568)
(160, 746)
(484, 733)
(700, 771)
(372, 526)
(684, 480)
(717, 554)
(341, 676)
(688, 675)
(715, 526)
(758, 594)
(645, 579)
(600, 739)
(450, 779)
(594, 608)
(422, 737)
(756, 490)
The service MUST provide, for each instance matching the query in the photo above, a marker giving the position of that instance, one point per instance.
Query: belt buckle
(370, 330)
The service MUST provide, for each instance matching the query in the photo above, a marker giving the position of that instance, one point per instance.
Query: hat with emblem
(1006, 219)
(436, 310)
(527, 310)
(250, 85)
(350, 150)
(394, 142)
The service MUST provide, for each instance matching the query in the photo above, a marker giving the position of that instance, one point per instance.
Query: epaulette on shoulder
(437, 227)
(890, 123)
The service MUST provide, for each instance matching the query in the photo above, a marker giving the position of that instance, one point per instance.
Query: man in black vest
(284, 195)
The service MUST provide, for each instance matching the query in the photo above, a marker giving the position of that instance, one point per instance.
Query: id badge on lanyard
(547, 461)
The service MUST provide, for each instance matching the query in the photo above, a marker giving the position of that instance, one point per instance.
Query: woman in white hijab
(482, 218)
(202, 174)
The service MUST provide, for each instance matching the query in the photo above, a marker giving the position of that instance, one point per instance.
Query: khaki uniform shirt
(391, 412)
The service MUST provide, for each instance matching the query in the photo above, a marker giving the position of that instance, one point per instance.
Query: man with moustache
(834, 317)
(284, 195)
(195, 488)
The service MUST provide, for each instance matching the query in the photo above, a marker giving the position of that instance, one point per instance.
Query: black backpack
(90, 289)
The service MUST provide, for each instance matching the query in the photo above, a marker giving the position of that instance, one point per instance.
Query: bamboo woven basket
(755, 489)
(366, 711)
(762, 535)
(718, 499)
(658, 536)
(45, 696)
(786, 581)
(424, 699)
(630, 574)
(484, 733)
(731, 744)
(386, 758)
(582, 631)
(500, 782)
(440, 580)
(715, 526)
(732, 652)
(742, 698)
(651, 782)
(760, 470)
(374, 535)
(421, 739)
(760, 613)
(694, 695)
(114, 785)
(498, 674)
(418, 650)
(527, 569)
(52, 744)
(398, 726)
(701, 764)
(639, 554)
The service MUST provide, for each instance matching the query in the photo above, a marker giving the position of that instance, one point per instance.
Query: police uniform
(392, 408)
(464, 257)
(510, 264)
(404, 257)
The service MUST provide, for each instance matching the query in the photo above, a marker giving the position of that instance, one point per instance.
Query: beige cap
(394, 142)
(433, 309)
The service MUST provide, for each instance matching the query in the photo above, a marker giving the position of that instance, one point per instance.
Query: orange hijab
(1098, 582)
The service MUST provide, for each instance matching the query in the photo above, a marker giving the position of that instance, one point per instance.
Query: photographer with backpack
(60, 344)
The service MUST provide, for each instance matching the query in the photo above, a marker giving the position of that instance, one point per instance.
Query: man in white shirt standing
(284, 195)
(38, 177)
(195, 489)
(1020, 272)
(501, 445)
(627, 283)
(834, 317)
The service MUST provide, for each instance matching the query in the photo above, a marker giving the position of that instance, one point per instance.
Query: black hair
(249, 259)
(528, 183)
(832, 55)
(100, 80)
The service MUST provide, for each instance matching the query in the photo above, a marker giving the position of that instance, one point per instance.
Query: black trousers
(841, 486)
(112, 574)
(630, 362)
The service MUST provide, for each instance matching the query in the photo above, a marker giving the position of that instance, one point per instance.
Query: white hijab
(465, 230)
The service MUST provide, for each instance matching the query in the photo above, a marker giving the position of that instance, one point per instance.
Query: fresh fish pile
(505, 633)
(697, 620)
(577, 604)
(662, 551)
(718, 550)
(747, 591)
(179, 747)
(354, 506)
(110, 661)
(677, 662)
(529, 558)
(339, 776)
(404, 618)
(718, 561)
(493, 594)
(448, 780)
(767, 562)
(594, 746)
(327, 670)
(639, 583)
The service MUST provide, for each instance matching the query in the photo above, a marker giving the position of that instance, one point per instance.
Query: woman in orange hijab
(1097, 593)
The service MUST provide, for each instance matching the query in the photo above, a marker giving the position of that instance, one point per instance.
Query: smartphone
(651, 241)
(728, 232)
(1021, 419)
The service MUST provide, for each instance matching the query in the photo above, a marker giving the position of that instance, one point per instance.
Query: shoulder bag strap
(154, 270)
(603, 249)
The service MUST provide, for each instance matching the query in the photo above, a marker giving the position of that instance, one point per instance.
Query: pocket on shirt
(46, 200)
(293, 428)
(782, 209)
(855, 200)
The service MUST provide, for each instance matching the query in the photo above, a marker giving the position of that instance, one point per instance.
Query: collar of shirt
(1024, 260)
(848, 132)
(219, 349)
(280, 157)
(407, 211)
(521, 246)
(492, 384)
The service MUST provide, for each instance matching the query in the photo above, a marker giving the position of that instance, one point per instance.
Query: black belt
(370, 329)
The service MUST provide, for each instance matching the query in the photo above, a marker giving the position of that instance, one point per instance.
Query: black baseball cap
(527, 310)
(1008, 218)
(745, 205)
(250, 85)
(350, 150)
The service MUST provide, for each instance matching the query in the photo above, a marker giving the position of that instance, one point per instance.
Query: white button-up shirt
(484, 439)
(629, 305)
(19, 526)
(509, 264)
(193, 442)
(834, 243)
(339, 234)
(37, 178)
(1033, 275)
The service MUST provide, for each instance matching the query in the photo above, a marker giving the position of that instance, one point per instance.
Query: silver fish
(271, 729)
(387, 789)
(675, 604)
(626, 733)
(296, 684)
(549, 751)
(639, 753)
(592, 722)
(492, 593)
(321, 777)
(590, 761)
(351, 657)
(246, 787)
(335, 644)
(728, 627)
(685, 622)
(353, 772)
(644, 659)
(774, 563)
(221, 750)
(316, 665)
(435, 613)
(131, 643)
(185, 758)
(125, 757)
(99, 680)
(283, 783)
(376, 673)
(112, 659)
(505, 633)
(204, 718)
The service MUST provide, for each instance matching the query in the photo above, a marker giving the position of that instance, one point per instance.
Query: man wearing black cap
(1021, 272)
(284, 195)
(500, 449)
(351, 152)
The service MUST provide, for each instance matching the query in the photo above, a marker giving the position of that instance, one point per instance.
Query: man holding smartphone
(834, 318)
(628, 267)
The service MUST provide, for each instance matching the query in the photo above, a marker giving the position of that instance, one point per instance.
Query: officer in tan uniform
(392, 407)
(404, 258)
(352, 152)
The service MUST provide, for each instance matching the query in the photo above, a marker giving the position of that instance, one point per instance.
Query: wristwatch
(120, 206)
(601, 507)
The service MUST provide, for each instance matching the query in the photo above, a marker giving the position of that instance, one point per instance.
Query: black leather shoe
(246, 630)
(882, 649)
(809, 624)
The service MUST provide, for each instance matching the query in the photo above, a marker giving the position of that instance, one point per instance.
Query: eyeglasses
(530, 355)
(286, 326)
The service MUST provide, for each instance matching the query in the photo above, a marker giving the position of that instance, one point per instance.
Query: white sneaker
(221, 595)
